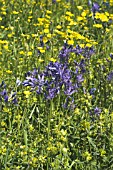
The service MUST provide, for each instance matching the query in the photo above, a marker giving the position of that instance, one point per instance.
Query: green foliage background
(41, 135)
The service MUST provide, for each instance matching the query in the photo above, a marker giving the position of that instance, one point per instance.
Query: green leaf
(92, 143)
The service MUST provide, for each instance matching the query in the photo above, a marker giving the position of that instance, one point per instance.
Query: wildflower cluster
(4, 94)
(56, 84)
(58, 78)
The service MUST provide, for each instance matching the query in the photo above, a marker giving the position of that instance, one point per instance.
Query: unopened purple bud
(111, 55)
(97, 110)
(95, 7)
(6, 98)
(2, 84)
(4, 92)
(14, 101)
(92, 90)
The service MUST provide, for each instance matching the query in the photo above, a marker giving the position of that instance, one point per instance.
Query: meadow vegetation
(56, 85)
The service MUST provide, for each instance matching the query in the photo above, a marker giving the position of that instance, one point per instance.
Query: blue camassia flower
(97, 111)
(4, 94)
(58, 76)
(111, 55)
(95, 7)
(110, 76)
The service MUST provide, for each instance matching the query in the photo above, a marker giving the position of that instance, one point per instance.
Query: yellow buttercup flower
(48, 12)
(9, 71)
(15, 12)
(70, 42)
(21, 52)
(40, 60)
(80, 18)
(29, 53)
(10, 35)
(27, 94)
(80, 7)
(5, 47)
(69, 13)
(97, 25)
(52, 59)
(49, 35)
(45, 39)
(46, 30)
(42, 50)
(58, 27)
(88, 45)
(102, 16)
(83, 14)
